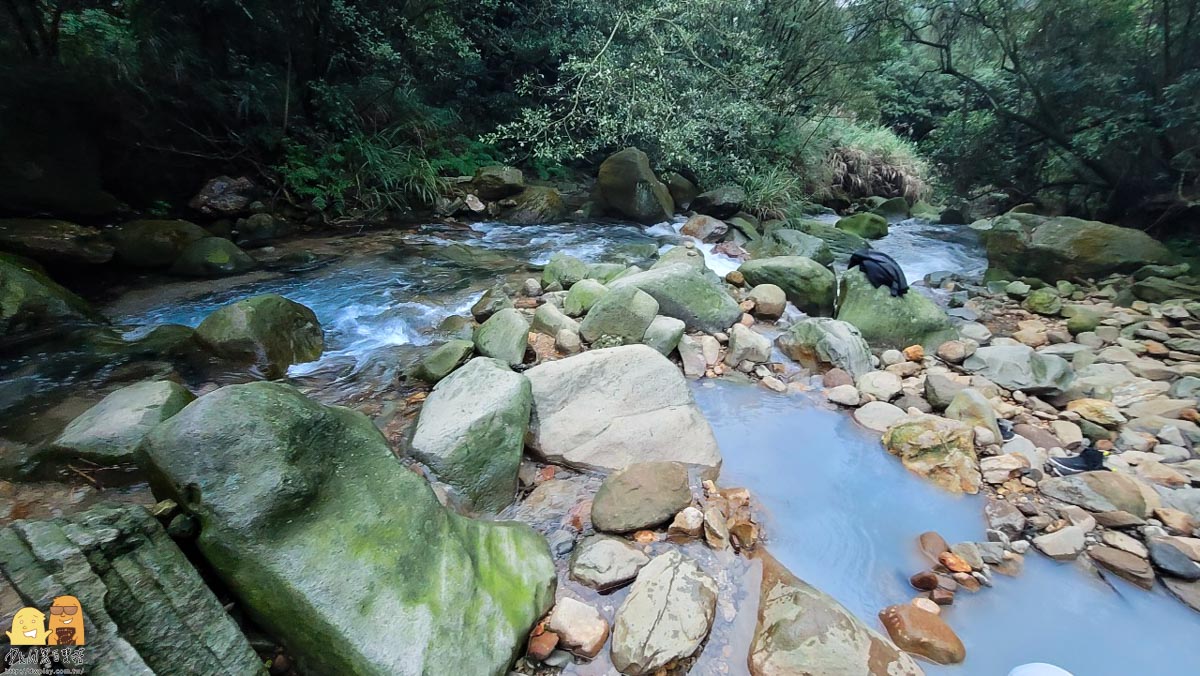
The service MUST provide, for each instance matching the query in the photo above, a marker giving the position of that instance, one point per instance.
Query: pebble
(541, 645)
(932, 544)
(926, 580)
(942, 597)
(954, 563)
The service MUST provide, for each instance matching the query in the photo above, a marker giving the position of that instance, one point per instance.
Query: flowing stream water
(841, 513)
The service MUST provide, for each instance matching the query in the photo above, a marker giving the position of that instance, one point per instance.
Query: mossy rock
(628, 187)
(682, 190)
(155, 243)
(51, 240)
(895, 209)
(212, 257)
(565, 270)
(582, 297)
(865, 225)
(890, 322)
(536, 204)
(336, 549)
(623, 313)
(443, 360)
(786, 242)
(687, 294)
(840, 242)
(30, 301)
(809, 286)
(1056, 248)
(504, 336)
(686, 255)
(269, 332)
(497, 182)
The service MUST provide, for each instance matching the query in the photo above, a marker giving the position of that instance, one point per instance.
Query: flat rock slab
(606, 563)
(1103, 491)
(607, 409)
(1125, 565)
(666, 616)
(640, 496)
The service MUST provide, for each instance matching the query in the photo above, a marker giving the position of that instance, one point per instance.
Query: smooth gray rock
(666, 616)
(1018, 367)
(605, 563)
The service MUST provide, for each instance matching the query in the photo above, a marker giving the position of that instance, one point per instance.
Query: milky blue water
(844, 515)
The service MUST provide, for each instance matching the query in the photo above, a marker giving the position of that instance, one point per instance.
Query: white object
(1038, 669)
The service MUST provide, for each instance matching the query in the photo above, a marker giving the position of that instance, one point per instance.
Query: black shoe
(1089, 460)
(1006, 429)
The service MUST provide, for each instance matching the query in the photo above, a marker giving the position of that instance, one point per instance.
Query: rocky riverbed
(571, 407)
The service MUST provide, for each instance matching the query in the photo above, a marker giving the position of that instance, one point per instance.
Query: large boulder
(443, 360)
(145, 608)
(628, 187)
(155, 243)
(939, 449)
(886, 321)
(804, 631)
(687, 294)
(54, 241)
(224, 196)
(1018, 367)
(820, 342)
(110, 432)
(30, 301)
(841, 243)
(643, 495)
(327, 540)
(896, 209)
(471, 431)
(1159, 289)
(623, 314)
(664, 334)
(787, 242)
(1027, 245)
(564, 269)
(212, 257)
(607, 409)
(971, 407)
(582, 296)
(687, 255)
(722, 202)
(666, 616)
(704, 228)
(1103, 491)
(267, 331)
(809, 285)
(497, 182)
(504, 336)
(865, 225)
(261, 228)
(682, 190)
(536, 204)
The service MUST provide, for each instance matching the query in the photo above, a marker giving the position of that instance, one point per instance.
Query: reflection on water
(844, 516)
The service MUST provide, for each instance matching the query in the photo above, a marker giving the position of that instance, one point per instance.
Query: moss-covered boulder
(687, 294)
(628, 187)
(722, 202)
(49, 240)
(261, 228)
(1052, 248)
(497, 182)
(1019, 367)
(886, 321)
(583, 296)
(925, 211)
(492, 301)
(939, 449)
(1043, 301)
(809, 285)
(1159, 289)
(155, 243)
(504, 336)
(823, 343)
(787, 242)
(536, 204)
(549, 320)
(840, 242)
(565, 270)
(894, 209)
(664, 334)
(212, 257)
(335, 548)
(865, 225)
(443, 360)
(31, 301)
(682, 190)
(269, 332)
(623, 313)
(686, 255)
(471, 431)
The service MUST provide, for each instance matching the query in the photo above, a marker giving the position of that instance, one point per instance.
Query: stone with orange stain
(954, 563)
(923, 633)
(914, 353)
(541, 643)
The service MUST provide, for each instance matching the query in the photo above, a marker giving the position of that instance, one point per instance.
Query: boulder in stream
(627, 186)
(939, 449)
(212, 257)
(865, 225)
(145, 609)
(53, 241)
(504, 336)
(34, 302)
(804, 631)
(606, 409)
(155, 243)
(809, 285)
(471, 431)
(267, 331)
(1018, 367)
(687, 294)
(666, 616)
(328, 541)
(623, 314)
(820, 342)
(1061, 247)
(887, 321)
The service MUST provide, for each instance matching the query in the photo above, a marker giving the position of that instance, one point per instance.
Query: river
(842, 513)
